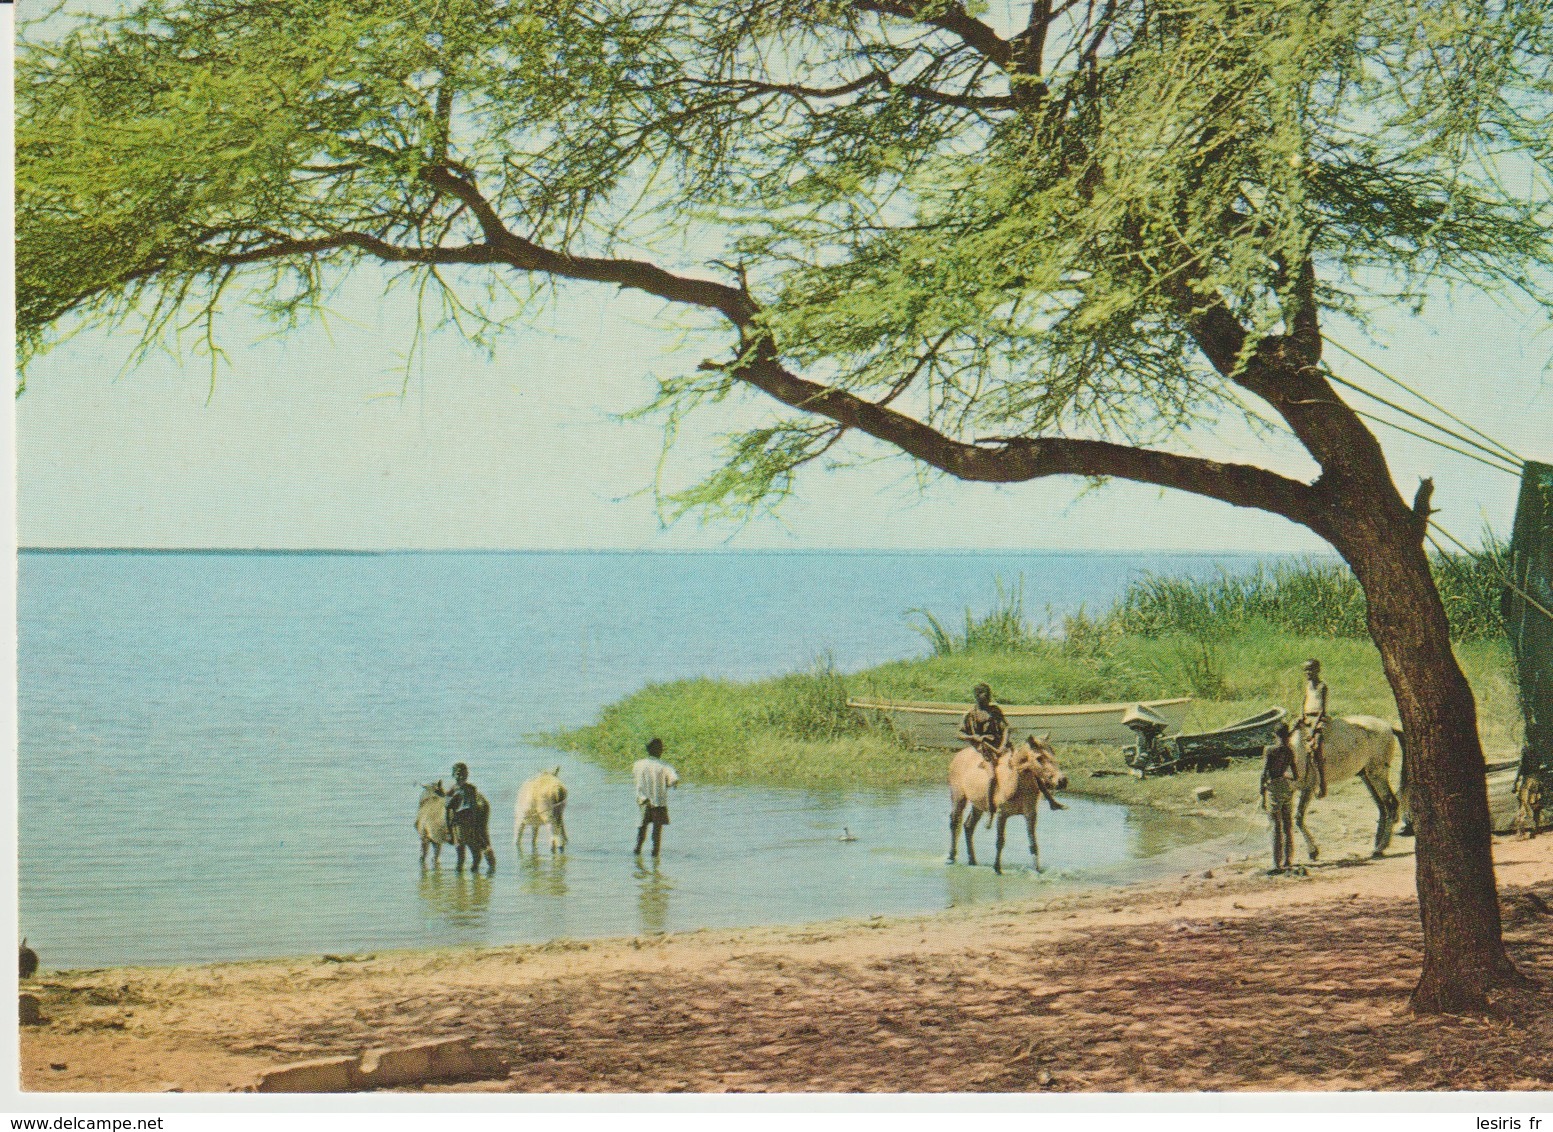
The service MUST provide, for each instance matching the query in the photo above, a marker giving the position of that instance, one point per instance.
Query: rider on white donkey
(1314, 719)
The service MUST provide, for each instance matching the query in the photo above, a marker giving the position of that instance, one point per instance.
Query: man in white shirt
(654, 779)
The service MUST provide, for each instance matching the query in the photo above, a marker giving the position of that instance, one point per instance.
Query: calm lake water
(220, 753)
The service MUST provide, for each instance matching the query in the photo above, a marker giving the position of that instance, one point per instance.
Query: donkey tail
(1403, 796)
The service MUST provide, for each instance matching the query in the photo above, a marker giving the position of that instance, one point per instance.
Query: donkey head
(1035, 757)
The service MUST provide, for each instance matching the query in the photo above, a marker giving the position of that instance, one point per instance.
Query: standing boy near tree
(1278, 777)
(1529, 794)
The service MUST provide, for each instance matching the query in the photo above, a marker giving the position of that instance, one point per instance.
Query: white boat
(924, 724)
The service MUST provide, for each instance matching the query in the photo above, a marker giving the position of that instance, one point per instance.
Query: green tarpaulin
(1528, 606)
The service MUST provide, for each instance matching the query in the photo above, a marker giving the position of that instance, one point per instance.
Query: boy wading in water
(1278, 777)
(1313, 720)
(465, 822)
(654, 779)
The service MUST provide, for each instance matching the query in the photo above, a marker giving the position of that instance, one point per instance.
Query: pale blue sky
(308, 442)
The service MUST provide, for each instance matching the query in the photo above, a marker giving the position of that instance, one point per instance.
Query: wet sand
(1223, 979)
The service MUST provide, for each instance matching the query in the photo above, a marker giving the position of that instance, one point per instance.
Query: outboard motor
(1150, 752)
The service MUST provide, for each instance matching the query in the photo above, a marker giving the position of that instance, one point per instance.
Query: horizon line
(660, 551)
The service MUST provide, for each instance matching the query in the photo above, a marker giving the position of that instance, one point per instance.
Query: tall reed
(1310, 597)
(1003, 628)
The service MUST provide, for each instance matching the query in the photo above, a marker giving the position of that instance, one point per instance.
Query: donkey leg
(560, 829)
(1390, 810)
(1311, 848)
(956, 814)
(1383, 811)
(424, 845)
(997, 861)
(1035, 850)
(970, 833)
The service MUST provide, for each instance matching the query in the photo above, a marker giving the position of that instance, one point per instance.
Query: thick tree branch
(955, 20)
(340, 241)
(1305, 314)
(1279, 370)
(1020, 459)
(1422, 509)
(508, 247)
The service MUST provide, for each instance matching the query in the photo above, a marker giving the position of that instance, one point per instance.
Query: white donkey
(541, 801)
(1354, 745)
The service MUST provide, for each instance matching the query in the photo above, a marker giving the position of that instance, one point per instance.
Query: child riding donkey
(986, 728)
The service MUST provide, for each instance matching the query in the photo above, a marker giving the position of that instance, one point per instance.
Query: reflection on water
(464, 899)
(1154, 833)
(652, 897)
(542, 874)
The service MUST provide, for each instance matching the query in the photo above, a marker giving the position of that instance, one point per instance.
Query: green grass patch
(796, 730)
(1235, 642)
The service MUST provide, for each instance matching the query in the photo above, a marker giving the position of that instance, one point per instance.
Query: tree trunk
(1457, 894)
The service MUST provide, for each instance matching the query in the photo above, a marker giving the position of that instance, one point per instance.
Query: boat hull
(1245, 739)
(937, 725)
(1207, 750)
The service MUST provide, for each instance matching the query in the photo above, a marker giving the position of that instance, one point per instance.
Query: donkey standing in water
(1022, 772)
(431, 823)
(541, 801)
(1354, 746)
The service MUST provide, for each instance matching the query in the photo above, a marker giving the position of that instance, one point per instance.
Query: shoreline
(1169, 984)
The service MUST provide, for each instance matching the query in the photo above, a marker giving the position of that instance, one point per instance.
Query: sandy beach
(1221, 979)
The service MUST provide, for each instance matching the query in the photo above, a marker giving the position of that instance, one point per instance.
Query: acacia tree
(1042, 240)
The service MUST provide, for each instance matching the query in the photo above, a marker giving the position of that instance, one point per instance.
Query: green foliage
(770, 732)
(809, 705)
(921, 211)
(1315, 598)
(1309, 597)
(1199, 665)
(1312, 598)
(1237, 643)
(1003, 628)
(794, 730)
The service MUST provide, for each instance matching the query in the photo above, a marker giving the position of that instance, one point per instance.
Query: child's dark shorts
(655, 815)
